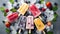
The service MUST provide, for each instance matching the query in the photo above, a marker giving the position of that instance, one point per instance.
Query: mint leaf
(7, 30)
(55, 16)
(50, 32)
(5, 14)
(13, 10)
(55, 8)
(12, 1)
(2, 9)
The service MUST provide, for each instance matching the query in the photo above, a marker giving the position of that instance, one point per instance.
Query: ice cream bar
(12, 17)
(23, 8)
(29, 23)
(39, 24)
(21, 22)
(35, 11)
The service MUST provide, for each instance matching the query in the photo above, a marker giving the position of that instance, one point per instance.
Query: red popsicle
(12, 17)
(35, 11)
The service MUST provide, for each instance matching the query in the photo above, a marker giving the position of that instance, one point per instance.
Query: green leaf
(5, 14)
(12, 1)
(55, 16)
(13, 10)
(2, 9)
(55, 8)
(17, 33)
(42, 1)
(8, 31)
(50, 32)
(29, 33)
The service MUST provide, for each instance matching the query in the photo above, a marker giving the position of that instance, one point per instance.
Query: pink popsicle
(12, 17)
(29, 23)
(35, 11)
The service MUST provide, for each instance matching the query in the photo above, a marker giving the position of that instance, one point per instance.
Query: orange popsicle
(39, 24)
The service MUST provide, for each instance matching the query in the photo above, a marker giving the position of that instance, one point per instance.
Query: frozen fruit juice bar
(23, 8)
(35, 11)
(21, 22)
(29, 23)
(39, 24)
(12, 17)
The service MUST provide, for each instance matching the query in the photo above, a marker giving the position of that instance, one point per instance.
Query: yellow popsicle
(23, 8)
(39, 24)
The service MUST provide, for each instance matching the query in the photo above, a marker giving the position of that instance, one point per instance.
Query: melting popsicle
(39, 24)
(21, 22)
(23, 8)
(12, 17)
(35, 11)
(29, 23)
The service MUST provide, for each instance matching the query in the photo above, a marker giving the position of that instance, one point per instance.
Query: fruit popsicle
(29, 23)
(12, 17)
(35, 11)
(40, 26)
(21, 22)
(23, 8)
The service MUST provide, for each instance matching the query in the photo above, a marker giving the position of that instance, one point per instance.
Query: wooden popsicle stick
(18, 14)
(29, 31)
(44, 32)
(40, 17)
(19, 31)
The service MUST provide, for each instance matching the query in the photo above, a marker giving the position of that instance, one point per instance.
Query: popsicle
(12, 17)
(35, 11)
(29, 23)
(21, 22)
(23, 8)
(39, 24)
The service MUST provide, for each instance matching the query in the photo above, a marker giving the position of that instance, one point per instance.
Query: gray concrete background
(56, 24)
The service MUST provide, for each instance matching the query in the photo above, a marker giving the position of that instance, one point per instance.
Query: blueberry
(27, 2)
(3, 21)
(17, 4)
(16, 7)
(17, 30)
(4, 4)
(28, 13)
(45, 16)
(16, 0)
(55, 4)
(40, 8)
(39, 2)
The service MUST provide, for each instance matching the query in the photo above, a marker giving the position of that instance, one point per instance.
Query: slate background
(56, 24)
